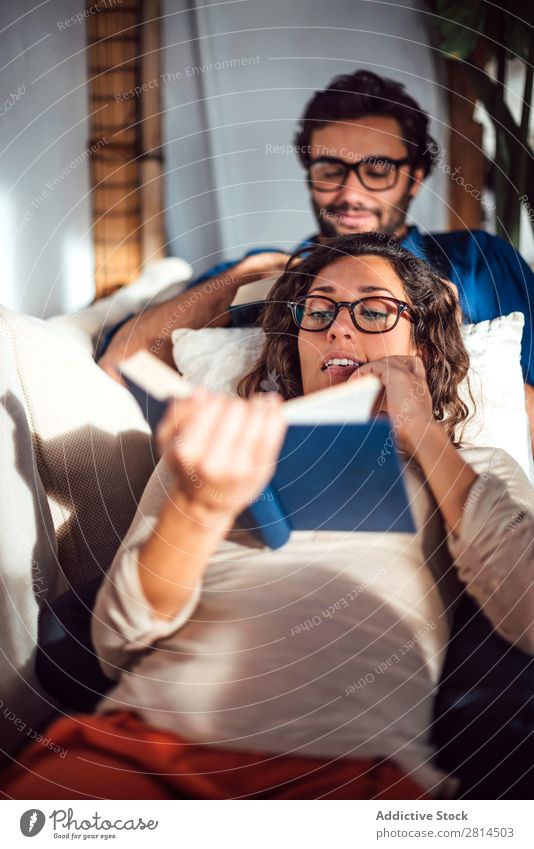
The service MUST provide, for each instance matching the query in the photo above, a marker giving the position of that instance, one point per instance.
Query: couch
(75, 454)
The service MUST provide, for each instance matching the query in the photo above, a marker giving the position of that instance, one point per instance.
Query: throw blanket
(81, 757)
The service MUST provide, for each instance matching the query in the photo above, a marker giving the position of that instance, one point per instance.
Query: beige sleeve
(123, 623)
(494, 550)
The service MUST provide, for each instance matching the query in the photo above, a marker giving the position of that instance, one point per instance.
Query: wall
(246, 69)
(46, 250)
(224, 191)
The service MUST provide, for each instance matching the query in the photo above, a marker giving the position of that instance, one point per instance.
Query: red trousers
(117, 756)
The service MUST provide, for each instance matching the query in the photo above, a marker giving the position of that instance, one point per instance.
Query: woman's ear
(420, 352)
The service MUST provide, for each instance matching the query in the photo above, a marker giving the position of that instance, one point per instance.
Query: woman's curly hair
(433, 306)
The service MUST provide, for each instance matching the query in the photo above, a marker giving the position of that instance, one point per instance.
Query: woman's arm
(172, 561)
(450, 478)
(494, 549)
(220, 453)
(490, 516)
(529, 403)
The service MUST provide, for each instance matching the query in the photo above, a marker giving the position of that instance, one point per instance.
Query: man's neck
(402, 232)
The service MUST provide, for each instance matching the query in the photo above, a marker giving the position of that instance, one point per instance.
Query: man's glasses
(375, 173)
(370, 315)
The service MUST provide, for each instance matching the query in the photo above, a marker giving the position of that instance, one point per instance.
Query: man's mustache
(348, 210)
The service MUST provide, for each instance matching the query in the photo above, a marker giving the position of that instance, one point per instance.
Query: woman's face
(349, 279)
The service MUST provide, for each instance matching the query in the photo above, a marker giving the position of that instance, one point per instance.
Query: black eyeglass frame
(355, 166)
(402, 307)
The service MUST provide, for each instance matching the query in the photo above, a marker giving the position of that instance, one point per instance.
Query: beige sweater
(331, 646)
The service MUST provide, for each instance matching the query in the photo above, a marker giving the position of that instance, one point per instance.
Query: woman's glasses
(375, 173)
(370, 315)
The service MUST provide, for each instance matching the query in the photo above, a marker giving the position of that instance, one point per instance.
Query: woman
(332, 646)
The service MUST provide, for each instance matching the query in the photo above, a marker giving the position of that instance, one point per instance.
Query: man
(365, 146)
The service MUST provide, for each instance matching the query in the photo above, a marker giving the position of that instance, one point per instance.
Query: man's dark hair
(352, 96)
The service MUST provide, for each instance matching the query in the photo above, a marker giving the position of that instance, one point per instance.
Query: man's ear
(418, 176)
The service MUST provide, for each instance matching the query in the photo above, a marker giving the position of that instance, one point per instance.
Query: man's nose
(352, 190)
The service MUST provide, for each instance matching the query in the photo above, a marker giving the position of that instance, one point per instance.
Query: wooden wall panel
(116, 40)
(465, 153)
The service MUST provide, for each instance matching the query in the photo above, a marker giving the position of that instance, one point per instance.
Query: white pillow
(496, 379)
(217, 357)
(220, 357)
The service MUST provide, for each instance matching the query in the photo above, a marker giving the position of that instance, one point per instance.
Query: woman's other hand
(407, 400)
(405, 397)
(221, 450)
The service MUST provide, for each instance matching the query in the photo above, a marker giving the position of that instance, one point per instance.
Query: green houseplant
(474, 33)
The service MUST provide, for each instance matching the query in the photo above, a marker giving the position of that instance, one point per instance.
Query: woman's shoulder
(488, 459)
(490, 462)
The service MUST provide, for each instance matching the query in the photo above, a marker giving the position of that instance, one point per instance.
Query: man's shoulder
(470, 249)
(460, 240)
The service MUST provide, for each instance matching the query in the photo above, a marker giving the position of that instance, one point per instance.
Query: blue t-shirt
(491, 276)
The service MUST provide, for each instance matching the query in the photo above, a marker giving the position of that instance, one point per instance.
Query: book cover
(335, 471)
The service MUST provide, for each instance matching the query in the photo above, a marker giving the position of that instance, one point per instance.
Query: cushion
(217, 357)
(159, 282)
(220, 357)
(496, 379)
(75, 455)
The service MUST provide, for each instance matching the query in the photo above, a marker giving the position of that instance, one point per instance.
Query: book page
(350, 402)
(255, 291)
(155, 377)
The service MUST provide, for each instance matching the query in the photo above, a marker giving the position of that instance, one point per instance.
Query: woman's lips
(341, 371)
(338, 372)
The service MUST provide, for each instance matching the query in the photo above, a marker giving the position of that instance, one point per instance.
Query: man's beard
(389, 222)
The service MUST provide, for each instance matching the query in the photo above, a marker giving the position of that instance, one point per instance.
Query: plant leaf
(459, 25)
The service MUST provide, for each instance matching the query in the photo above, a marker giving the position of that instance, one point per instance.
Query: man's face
(352, 208)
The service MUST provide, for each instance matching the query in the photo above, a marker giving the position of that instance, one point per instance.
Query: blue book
(337, 470)
(329, 478)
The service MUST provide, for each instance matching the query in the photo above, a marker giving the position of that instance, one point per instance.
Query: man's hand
(260, 267)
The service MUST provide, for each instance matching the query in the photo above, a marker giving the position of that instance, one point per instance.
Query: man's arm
(529, 400)
(205, 305)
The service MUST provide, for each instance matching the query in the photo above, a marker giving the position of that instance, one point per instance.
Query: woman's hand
(407, 400)
(221, 450)
(405, 397)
